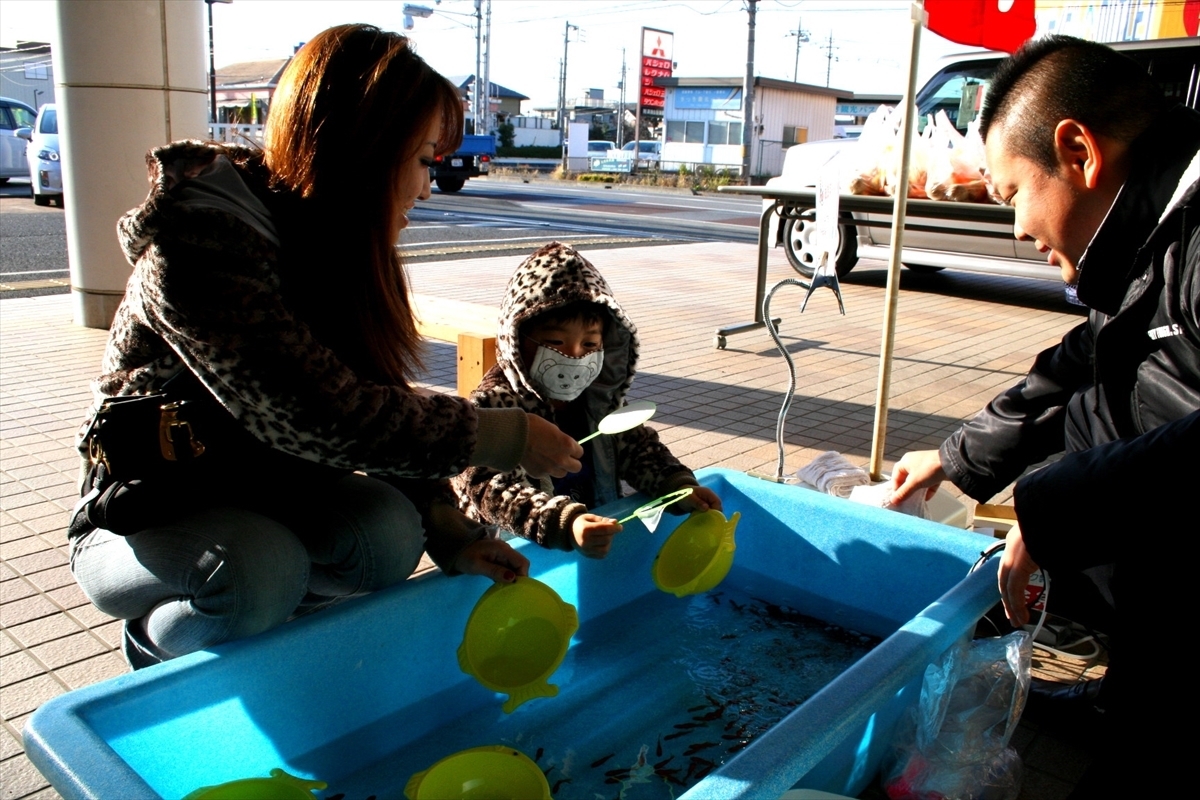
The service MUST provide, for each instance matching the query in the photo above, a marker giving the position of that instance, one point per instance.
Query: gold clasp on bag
(96, 453)
(174, 432)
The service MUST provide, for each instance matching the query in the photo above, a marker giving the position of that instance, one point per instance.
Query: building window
(793, 134)
(37, 72)
(724, 133)
(690, 132)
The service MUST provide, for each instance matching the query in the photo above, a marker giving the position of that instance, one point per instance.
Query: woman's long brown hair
(349, 112)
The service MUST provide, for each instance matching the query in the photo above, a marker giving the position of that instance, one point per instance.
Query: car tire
(923, 269)
(41, 199)
(798, 236)
(450, 185)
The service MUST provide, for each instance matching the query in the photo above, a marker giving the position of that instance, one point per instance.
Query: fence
(236, 134)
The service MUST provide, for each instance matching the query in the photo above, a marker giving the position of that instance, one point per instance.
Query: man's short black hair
(1061, 77)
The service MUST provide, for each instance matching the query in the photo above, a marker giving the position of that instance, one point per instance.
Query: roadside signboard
(658, 51)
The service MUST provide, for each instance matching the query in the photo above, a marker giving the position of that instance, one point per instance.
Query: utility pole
(748, 95)
(562, 93)
(801, 36)
(476, 105)
(621, 107)
(829, 59)
(487, 73)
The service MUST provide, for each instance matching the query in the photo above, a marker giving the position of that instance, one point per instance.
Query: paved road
(488, 217)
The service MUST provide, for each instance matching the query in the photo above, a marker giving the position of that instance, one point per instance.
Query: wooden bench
(469, 326)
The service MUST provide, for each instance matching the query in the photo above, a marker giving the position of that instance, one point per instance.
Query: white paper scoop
(624, 418)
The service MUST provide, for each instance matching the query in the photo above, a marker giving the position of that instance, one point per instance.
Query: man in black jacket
(1103, 178)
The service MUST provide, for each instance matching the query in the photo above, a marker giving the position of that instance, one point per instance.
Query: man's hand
(920, 469)
(549, 451)
(493, 559)
(1015, 569)
(593, 534)
(701, 499)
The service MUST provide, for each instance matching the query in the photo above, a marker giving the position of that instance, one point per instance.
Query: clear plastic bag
(956, 745)
(918, 162)
(955, 163)
(873, 152)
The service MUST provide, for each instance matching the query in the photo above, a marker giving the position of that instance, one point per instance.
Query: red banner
(651, 95)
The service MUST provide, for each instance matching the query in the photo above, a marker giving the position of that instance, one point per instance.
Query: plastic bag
(872, 152)
(956, 163)
(918, 162)
(956, 745)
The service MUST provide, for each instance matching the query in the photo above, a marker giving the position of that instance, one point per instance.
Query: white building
(26, 73)
(702, 121)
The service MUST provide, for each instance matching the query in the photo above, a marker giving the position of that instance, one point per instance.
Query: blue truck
(472, 159)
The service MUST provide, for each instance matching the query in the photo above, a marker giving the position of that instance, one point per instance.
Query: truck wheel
(450, 185)
(802, 254)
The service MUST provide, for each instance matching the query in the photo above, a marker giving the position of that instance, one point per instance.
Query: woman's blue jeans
(226, 573)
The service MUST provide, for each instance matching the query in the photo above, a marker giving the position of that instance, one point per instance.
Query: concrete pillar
(130, 75)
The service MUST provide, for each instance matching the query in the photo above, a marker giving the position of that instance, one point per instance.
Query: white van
(1172, 63)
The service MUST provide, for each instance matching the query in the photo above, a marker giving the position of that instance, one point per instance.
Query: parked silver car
(13, 115)
(44, 164)
(1172, 63)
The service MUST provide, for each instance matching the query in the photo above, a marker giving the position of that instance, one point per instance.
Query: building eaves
(770, 83)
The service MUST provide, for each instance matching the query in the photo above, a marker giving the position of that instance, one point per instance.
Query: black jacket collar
(1158, 160)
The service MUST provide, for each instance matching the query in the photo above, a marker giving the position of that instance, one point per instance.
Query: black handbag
(149, 458)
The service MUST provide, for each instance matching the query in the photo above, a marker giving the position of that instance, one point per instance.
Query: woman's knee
(242, 570)
(371, 537)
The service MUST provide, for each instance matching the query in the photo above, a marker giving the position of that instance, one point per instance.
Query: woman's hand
(549, 451)
(701, 499)
(493, 559)
(593, 534)
(1016, 567)
(920, 469)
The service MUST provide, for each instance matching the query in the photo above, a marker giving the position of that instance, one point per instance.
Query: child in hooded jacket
(568, 353)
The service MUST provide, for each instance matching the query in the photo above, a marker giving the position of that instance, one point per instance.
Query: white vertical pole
(129, 76)
(883, 386)
(488, 127)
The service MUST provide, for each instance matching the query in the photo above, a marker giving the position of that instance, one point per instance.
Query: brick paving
(960, 339)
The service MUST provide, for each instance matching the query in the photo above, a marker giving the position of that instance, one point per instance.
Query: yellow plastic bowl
(698, 555)
(494, 772)
(516, 636)
(280, 786)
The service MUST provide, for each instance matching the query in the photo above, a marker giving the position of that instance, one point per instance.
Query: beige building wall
(776, 109)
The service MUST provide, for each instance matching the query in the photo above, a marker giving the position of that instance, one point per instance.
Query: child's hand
(493, 559)
(701, 499)
(593, 534)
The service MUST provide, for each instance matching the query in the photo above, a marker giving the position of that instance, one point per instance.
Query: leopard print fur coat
(553, 276)
(206, 295)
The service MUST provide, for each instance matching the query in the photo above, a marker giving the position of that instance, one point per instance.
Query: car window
(1174, 70)
(958, 90)
(49, 122)
(6, 118)
(23, 117)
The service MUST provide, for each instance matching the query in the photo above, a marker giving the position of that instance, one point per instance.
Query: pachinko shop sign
(657, 53)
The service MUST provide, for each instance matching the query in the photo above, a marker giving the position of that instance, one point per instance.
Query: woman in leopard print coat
(269, 283)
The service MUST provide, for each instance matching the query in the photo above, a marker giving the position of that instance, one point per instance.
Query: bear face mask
(561, 377)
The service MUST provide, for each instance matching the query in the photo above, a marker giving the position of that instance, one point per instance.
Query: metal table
(793, 204)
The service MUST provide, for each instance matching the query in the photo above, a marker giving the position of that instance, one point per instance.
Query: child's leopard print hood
(554, 276)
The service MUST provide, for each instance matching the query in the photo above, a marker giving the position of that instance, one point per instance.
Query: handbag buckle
(96, 453)
(174, 433)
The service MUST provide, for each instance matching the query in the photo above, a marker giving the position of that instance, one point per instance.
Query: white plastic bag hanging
(957, 743)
